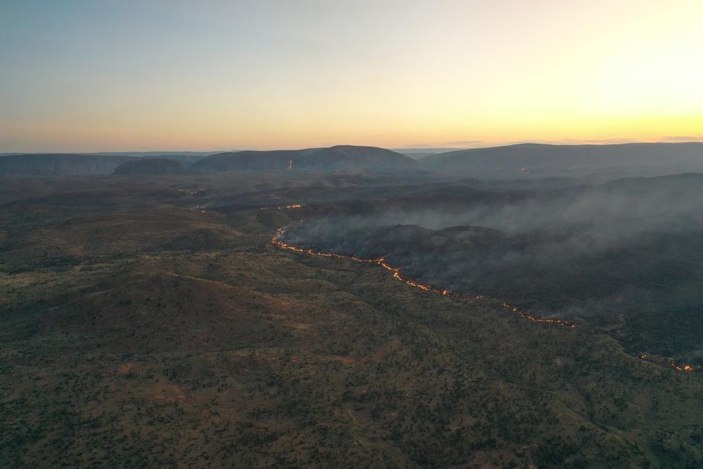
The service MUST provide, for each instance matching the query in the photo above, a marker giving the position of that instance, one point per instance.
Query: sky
(123, 75)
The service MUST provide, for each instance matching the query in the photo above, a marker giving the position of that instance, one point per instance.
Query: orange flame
(277, 241)
(685, 368)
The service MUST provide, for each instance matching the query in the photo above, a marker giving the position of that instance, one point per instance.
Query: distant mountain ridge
(58, 164)
(341, 157)
(653, 158)
(537, 160)
(332, 158)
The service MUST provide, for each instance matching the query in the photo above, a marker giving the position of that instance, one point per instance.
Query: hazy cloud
(679, 139)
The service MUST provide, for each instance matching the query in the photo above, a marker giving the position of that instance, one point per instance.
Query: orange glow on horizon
(456, 73)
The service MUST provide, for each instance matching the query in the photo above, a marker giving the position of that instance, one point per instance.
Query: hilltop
(333, 158)
(340, 157)
(576, 160)
(524, 161)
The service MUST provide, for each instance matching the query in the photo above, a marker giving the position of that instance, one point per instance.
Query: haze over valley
(351, 234)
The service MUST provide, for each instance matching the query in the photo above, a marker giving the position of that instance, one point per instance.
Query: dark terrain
(150, 166)
(340, 157)
(59, 164)
(334, 158)
(151, 321)
(607, 161)
(513, 162)
(624, 256)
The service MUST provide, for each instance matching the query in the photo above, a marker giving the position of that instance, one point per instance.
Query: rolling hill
(333, 158)
(542, 160)
(137, 329)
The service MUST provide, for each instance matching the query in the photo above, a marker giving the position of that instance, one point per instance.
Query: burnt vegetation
(151, 321)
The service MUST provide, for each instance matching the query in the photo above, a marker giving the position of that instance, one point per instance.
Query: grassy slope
(135, 331)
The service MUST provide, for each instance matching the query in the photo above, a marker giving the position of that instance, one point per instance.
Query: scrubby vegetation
(152, 322)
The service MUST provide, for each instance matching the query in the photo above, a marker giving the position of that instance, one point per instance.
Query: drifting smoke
(629, 247)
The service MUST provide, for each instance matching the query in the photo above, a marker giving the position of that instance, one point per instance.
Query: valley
(346, 234)
(167, 319)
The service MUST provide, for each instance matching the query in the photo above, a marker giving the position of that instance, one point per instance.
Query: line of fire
(277, 240)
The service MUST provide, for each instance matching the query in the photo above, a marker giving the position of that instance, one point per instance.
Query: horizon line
(416, 147)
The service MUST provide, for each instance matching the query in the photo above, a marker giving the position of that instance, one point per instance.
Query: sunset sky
(126, 75)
